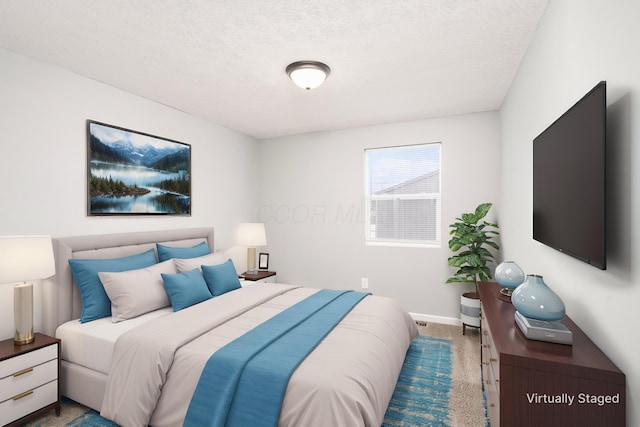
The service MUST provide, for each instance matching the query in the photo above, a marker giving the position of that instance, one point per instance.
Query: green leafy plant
(471, 238)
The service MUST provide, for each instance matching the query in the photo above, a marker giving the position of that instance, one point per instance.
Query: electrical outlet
(365, 283)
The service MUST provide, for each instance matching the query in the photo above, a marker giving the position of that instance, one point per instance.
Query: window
(402, 196)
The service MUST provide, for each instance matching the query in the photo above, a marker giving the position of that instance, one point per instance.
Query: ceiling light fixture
(308, 74)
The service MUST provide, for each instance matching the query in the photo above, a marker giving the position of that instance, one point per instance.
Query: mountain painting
(134, 173)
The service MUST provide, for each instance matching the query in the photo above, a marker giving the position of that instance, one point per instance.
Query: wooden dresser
(534, 383)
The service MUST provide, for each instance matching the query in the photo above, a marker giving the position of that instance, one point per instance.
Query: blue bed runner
(243, 383)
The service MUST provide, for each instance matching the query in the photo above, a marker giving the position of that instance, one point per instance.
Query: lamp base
(251, 261)
(23, 313)
(27, 340)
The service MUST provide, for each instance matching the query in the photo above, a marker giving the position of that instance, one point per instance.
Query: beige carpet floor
(466, 402)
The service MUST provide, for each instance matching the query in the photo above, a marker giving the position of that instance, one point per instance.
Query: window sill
(404, 244)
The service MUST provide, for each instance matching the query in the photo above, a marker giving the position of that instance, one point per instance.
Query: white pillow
(188, 264)
(136, 292)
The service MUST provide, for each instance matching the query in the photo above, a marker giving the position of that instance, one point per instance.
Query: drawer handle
(486, 345)
(493, 405)
(488, 381)
(485, 333)
(24, 371)
(498, 380)
(22, 395)
(485, 363)
(491, 359)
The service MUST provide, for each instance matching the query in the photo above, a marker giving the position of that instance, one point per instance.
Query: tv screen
(569, 173)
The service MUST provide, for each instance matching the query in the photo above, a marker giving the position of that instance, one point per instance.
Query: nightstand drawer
(28, 379)
(28, 402)
(28, 360)
(29, 384)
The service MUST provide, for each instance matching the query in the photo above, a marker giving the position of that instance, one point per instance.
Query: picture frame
(136, 173)
(263, 261)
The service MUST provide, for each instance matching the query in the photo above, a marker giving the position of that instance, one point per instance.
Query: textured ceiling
(224, 60)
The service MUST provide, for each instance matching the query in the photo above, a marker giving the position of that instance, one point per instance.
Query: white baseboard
(419, 317)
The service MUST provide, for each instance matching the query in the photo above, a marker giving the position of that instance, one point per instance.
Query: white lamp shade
(25, 258)
(252, 234)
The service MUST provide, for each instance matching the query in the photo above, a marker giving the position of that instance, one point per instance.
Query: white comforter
(347, 380)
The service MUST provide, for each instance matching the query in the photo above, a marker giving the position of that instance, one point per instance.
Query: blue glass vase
(508, 275)
(534, 299)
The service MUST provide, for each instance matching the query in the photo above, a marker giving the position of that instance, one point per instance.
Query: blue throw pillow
(168, 252)
(221, 278)
(186, 289)
(95, 302)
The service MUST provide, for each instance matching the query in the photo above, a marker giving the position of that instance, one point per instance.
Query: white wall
(43, 113)
(579, 43)
(312, 199)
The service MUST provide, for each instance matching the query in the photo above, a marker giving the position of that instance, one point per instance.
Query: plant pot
(469, 310)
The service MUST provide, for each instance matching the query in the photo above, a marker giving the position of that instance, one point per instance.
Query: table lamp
(251, 234)
(25, 258)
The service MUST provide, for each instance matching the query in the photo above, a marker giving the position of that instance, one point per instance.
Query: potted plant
(471, 238)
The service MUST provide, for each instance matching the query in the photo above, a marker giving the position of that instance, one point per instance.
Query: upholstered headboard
(61, 298)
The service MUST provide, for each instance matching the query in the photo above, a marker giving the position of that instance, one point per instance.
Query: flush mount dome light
(308, 74)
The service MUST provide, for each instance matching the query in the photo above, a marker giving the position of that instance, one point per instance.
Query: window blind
(402, 196)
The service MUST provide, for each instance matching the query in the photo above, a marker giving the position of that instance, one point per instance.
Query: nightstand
(29, 379)
(262, 276)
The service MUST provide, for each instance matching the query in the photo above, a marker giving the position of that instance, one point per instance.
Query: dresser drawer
(21, 405)
(490, 373)
(492, 394)
(490, 353)
(28, 379)
(490, 370)
(9, 367)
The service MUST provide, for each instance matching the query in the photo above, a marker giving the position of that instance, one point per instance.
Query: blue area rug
(421, 397)
(90, 419)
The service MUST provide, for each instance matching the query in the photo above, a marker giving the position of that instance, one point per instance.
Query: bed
(150, 367)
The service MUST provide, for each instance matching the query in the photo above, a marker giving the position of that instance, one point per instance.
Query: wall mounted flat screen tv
(569, 179)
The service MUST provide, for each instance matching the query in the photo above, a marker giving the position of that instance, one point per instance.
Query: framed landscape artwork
(134, 173)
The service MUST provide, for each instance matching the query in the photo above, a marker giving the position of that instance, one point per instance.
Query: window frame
(437, 196)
